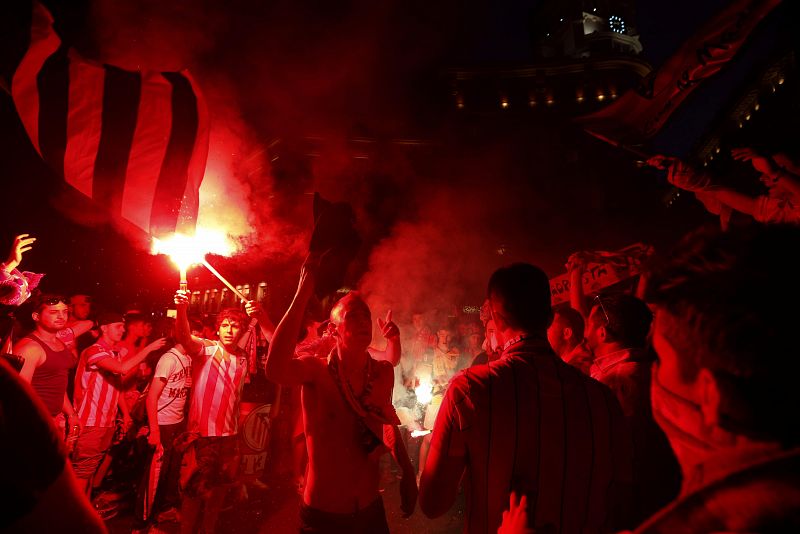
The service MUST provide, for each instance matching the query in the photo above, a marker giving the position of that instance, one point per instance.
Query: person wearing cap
(104, 367)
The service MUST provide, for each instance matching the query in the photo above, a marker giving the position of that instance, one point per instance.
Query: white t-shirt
(176, 368)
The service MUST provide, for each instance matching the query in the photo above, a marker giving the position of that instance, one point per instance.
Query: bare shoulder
(27, 348)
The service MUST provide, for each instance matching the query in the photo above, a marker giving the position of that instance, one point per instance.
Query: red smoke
(297, 89)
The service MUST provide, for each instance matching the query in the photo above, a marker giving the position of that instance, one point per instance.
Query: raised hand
(515, 519)
(182, 297)
(253, 308)
(576, 261)
(661, 162)
(309, 270)
(387, 327)
(155, 345)
(22, 243)
(762, 164)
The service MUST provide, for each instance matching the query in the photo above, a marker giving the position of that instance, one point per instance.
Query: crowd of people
(156, 403)
(669, 408)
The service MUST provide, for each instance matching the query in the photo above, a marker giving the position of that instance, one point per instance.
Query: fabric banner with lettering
(603, 269)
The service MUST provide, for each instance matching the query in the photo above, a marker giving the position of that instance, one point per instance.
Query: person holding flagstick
(214, 419)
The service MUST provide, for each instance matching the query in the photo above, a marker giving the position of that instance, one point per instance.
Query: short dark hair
(46, 299)
(720, 292)
(132, 318)
(109, 318)
(524, 291)
(234, 314)
(573, 319)
(629, 318)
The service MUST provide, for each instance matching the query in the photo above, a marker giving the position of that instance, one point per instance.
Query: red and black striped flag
(135, 142)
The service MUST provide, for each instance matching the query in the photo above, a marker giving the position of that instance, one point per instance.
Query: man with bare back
(348, 416)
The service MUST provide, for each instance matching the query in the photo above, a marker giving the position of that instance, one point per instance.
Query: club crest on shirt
(256, 428)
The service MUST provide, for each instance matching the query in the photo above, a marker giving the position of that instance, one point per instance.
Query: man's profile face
(135, 329)
(593, 325)
(114, 331)
(490, 329)
(667, 385)
(354, 325)
(81, 307)
(555, 334)
(52, 317)
(229, 332)
(667, 370)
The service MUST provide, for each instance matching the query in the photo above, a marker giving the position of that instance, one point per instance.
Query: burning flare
(185, 250)
(424, 390)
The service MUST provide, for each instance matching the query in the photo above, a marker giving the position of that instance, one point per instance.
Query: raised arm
(183, 333)
(391, 333)
(22, 243)
(81, 327)
(576, 266)
(255, 311)
(121, 368)
(734, 199)
(687, 178)
(282, 367)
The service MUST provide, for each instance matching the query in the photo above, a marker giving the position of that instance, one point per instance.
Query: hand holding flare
(186, 250)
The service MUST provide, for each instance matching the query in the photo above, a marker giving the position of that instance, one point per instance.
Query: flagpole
(618, 144)
(224, 281)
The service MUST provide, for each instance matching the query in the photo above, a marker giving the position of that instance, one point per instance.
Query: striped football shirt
(100, 393)
(218, 380)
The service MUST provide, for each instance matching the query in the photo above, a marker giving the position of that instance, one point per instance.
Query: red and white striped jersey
(100, 394)
(218, 380)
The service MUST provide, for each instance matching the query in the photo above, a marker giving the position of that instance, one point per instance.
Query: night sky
(278, 72)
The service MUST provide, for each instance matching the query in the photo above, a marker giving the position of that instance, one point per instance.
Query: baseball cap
(109, 318)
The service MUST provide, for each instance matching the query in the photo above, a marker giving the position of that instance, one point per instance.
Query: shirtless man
(348, 416)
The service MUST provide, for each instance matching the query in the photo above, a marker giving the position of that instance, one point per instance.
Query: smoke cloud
(307, 96)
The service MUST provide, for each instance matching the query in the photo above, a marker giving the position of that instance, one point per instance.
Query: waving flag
(640, 114)
(135, 142)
